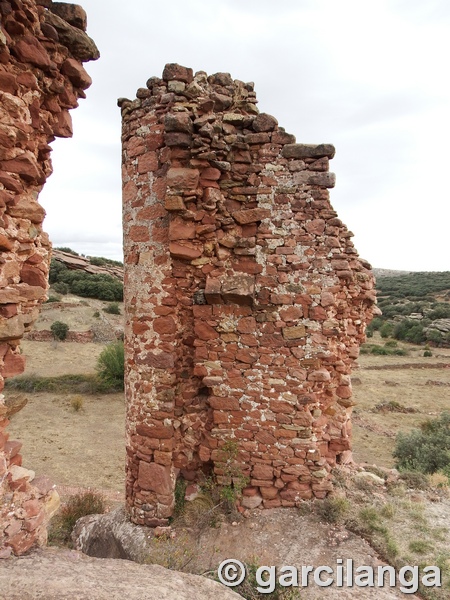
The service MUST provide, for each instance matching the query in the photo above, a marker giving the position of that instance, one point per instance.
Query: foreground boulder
(56, 574)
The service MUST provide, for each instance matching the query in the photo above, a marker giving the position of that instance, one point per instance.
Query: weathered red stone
(76, 73)
(155, 478)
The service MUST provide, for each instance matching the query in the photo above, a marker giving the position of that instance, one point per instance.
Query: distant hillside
(95, 265)
(87, 277)
(388, 273)
(415, 307)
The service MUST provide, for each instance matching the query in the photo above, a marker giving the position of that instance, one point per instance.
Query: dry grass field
(77, 439)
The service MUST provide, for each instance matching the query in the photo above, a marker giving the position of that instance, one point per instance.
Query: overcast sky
(369, 76)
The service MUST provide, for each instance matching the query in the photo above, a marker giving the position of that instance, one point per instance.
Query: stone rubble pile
(42, 47)
(246, 301)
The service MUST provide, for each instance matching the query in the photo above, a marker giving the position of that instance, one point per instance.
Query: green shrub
(62, 384)
(426, 450)
(59, 330)
(333, 509)
(96, 314)
(103, 262)
(435, 336)
(68, 250)
(52, 298)
(386, 330)
(428, 353)
(89, 285)
(79, 505)
(113, 308)
(409, 330)
(111, 364)
(61, 288)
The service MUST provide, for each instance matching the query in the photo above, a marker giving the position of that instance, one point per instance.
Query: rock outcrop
(66, 574)
(42, 47)
(246, 301)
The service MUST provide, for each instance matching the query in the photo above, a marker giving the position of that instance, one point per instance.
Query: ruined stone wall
(42, 47)
(246, 301)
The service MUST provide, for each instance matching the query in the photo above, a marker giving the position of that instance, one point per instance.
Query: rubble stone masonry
(246, 301)
(42, 47)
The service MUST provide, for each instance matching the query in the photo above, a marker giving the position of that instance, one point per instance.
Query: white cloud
(370, 77)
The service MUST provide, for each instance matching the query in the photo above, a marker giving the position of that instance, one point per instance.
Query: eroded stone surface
(252, 294)
(56, 574)
(41, 79)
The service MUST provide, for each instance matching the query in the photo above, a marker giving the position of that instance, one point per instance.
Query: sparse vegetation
(77, 506)
(59, 330)
(76, 402)
(392, 406)
(427, 449)
(64, 384)
(89, 285)
(68, 250)
(386, 350)
(111, 365)
(410, 304)
(61, 288)
(333, 509)
(99, 261)
(112, 308)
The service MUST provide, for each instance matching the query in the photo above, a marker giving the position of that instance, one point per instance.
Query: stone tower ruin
(246, 301)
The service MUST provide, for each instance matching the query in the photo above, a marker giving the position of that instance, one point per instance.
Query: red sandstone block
(220, 417)
(139, 233)
(164, 325)
(204, 331)
(247, 356)
(281, 298)
(224, 403)
(182, 178)
(264, 437)
(179, 229)
(186, 251)
(247, 325)
(155, 478)
(14, 364)
(150, 213)
(261, 471)
(274, 503)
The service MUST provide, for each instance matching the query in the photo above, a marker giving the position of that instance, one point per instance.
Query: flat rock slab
(56, 574)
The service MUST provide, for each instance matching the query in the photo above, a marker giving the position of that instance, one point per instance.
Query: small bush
(59, 330)
(392, 406)
(426, 450)
(414, 480)
(61, 288)
(427, 353)
(52, 298)
(420, 546)
(67, 250)
(111, 364)
(62, 384)
(386, 330)
(333, 509)
(112, 308)
(76, 402)
(96, 314)
(79, 505)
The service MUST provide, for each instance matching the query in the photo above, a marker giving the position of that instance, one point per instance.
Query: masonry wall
(246, 301)
(42, 47)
